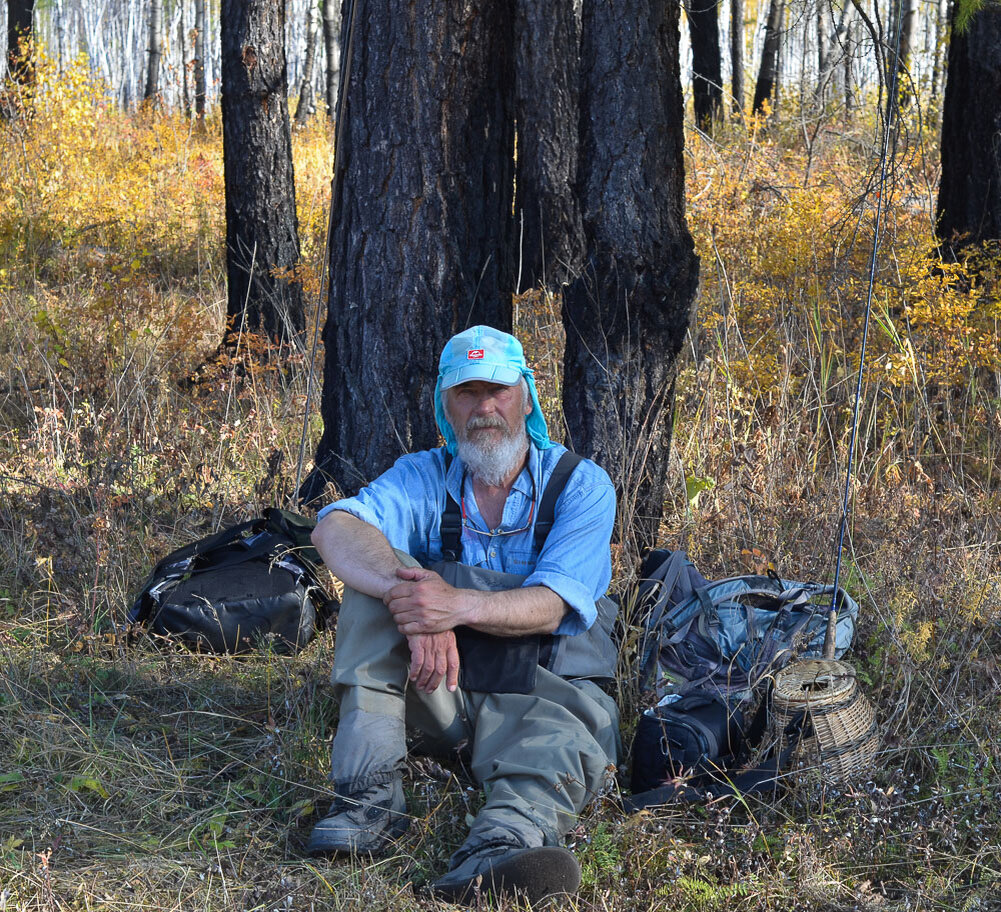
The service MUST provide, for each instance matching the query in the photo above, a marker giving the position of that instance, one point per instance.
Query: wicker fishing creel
(842, 735)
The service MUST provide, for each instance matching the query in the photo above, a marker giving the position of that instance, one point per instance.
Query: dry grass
(132, 777)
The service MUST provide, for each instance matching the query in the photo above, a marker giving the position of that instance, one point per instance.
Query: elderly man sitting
(474, 612)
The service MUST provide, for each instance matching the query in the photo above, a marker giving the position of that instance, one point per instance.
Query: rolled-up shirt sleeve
(576, 562)
(396, 503)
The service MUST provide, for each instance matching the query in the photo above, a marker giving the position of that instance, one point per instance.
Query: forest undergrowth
(136, 777)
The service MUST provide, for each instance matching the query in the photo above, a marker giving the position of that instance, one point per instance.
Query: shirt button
(493, 553)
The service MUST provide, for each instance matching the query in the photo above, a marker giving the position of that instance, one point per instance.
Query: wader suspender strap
(451, 522)
(451, 518)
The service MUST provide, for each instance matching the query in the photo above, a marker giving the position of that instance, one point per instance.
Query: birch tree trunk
(307, 102)
(627, 315)
(200, 59)
(182, 43)
(329, 10)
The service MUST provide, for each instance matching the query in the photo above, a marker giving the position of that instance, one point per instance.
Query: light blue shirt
(406, 503)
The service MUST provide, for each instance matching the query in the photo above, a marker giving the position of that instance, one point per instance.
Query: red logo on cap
(474, 354)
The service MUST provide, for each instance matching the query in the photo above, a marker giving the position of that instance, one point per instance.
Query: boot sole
(531, 873)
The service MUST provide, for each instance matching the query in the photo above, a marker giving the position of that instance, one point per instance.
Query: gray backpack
(728, 636)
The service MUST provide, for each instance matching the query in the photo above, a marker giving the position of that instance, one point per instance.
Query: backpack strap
(554, 488)
(668, 575)
(451, 517)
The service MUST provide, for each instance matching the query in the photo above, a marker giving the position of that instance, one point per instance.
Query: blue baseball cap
(485, 353)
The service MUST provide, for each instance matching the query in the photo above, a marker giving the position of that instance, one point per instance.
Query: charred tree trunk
(261, 227)
(969, 201)
(19, 16)
(848, 76)
(307, 101)
(547, 218)
(626, 317)
(764, 89)
(903, 22)
(737, 54)
(941, 32)
(155, 51)
(422, 244)
(200, 59)
(329, 12)
(183, 44)
(707, 76)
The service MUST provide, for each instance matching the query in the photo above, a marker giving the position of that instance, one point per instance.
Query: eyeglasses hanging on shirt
(468, 523)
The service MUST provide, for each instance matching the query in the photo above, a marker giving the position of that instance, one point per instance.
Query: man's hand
(422, 602)
(433, 657)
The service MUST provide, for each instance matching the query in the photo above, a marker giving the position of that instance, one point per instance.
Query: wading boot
(363, 822)
(503, 870)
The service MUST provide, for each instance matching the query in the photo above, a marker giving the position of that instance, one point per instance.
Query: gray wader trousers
(541, 757)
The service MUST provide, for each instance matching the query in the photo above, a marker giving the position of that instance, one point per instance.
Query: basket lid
(814, 683)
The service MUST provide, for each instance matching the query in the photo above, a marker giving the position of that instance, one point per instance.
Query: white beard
(492, 461)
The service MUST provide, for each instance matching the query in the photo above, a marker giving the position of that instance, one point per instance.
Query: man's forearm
(516, 612)
(357, 553)
(422, 602)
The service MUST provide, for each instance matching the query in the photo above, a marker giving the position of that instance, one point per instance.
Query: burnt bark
(547, 217)
(737, 54)
(329, 14)
(422, 244)
(768, 72)
(940, 37)
(19, 16)
(155, 51)
(200, 59)
(307, 102)
(627, 315)
(969, 201)
(707, 74)
(261, 225)
(848, 79)
(902, 22)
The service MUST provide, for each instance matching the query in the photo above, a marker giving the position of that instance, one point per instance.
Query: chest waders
(496, 664)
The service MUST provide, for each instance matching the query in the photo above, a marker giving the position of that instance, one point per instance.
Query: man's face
(485, 413)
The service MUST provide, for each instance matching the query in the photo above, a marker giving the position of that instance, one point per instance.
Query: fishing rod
(891, 108)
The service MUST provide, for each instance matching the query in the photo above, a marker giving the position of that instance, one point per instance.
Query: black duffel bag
(696, 735)
(253, 584)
